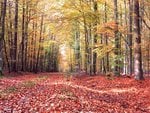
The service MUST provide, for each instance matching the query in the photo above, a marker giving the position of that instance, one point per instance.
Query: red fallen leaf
(95, 94)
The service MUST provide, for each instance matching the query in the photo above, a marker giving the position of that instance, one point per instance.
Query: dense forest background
(93, 36)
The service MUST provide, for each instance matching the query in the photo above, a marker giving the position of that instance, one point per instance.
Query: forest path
(54, 93)
(112, 90)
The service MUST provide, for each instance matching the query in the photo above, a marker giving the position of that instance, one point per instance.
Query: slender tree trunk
(125, 67)
(2, 31)
(120, 41)
(103, 69)
(15, 37)
(130, 36)
(1, 38)
(148, 60)
(116, 68)
(11, 37)
(27, 21)
(90, 53)
(138, 71)
(39, 48)
(6, 55)
(77, 46)
(35, 43)
(31, 49)
(106, 40)
(23, 36)
(86, 45)
(95, 36)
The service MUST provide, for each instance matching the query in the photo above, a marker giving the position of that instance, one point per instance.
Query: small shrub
(110, 75)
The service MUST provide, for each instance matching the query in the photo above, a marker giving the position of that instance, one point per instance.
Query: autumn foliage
(47, 93)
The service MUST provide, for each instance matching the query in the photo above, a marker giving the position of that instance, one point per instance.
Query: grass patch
(8, 90)
(12, 89)
(4, 93)
(1, 77)
(42, 78)
(29, 84)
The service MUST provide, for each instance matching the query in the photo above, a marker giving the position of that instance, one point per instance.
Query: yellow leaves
(48, 43)
(102, 1)
(102, 49)
(70, 15)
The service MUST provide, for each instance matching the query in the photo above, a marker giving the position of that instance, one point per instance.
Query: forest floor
(54, 92)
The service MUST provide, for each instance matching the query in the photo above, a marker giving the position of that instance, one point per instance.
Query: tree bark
(116, 67)
(106, 40)
(27, 21)
(11, 36)
(95, 5)
(15, 38)
(23, 35)
(130, 36)
(77, 46)
(39, 48)
(2, 31)
(138, 71)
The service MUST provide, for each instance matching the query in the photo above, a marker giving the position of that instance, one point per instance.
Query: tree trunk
(35, 43)
(138, 71)
(27, 21)
(106, 40)
(86, 45)
(77, 46)
(95, 36)
(11, 36)
(116, 67)
(2, 31)
(15, 37)
(130, 36)
(6, 55)
(39, 48)
(23, 35)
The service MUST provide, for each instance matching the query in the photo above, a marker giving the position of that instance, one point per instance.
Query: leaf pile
(47, 93)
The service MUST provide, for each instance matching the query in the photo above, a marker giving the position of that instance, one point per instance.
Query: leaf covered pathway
(48, 93)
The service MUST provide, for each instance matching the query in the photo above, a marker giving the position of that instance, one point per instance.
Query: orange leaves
(109, 28)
